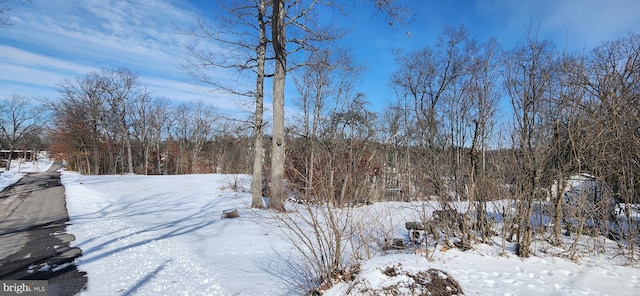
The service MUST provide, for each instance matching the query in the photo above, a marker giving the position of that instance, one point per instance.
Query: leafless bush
(328, 240)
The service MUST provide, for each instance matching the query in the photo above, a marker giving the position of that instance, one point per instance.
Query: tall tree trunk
(127, 138)
(256, 188)
(96, 156)
(277, 197)
(558, 195)
(159, 153)
(10, 158)
(146, 159)
(129, 153)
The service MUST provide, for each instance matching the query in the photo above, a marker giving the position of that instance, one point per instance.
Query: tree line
(107, 122)
(470, 121)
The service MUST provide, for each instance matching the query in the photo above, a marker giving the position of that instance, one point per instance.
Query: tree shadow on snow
(198, 219)
(146, 279)
(296, 278)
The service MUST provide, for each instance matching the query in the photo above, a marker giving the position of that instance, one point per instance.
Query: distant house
(8, 154)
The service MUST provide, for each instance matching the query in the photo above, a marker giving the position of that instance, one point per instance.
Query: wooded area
(471, 121)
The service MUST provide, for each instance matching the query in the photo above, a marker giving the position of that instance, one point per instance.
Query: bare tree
(611, 81)
(429, 85)
(570, 123)
(324, 85)
(5, 19)
(158, 130)
(247, 34)
(483, 93)
(150, 118)
(5, 12)
(529, 72)
(94, 118)
(295, 25)
(258, 146)
(80, 115)
(192, 126)
(122, 87)
(394, 10)
(313, 86)
(279, 42)
(242, 35)
(20, 120)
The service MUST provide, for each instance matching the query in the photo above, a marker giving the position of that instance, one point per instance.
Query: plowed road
(34, 244)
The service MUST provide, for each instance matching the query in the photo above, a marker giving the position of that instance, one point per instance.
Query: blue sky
(56, 39)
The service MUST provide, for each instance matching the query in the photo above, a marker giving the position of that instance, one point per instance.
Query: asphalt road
(34, 244)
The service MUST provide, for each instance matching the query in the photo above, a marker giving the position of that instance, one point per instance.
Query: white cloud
(183, 91)
(20, 57)
(29, 73)
(54, 40)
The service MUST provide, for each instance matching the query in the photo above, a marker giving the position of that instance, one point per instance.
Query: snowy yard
(163, 235)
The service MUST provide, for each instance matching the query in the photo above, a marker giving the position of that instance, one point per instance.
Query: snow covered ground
(20, 169)
(163, 235)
